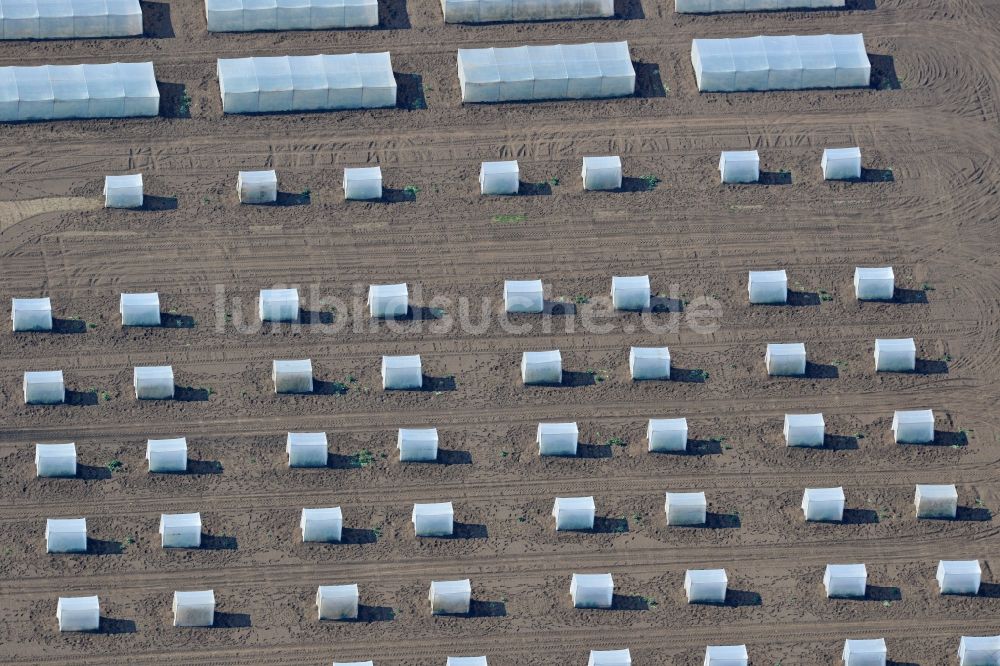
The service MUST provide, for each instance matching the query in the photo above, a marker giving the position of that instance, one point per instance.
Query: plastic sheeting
(713, 6)
(59, 92)
(561, 71)
(488, 11)
(307, 83)
(69, 19)
(249, 15)
(780, 63)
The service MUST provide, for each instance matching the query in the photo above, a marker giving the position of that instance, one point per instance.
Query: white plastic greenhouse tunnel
(485, 11)
(787, 359)
(630, 292)
(610, 658)
(804, 430)
(557, 439)
(337, 602)
(574, 513)
(292, 376)
(936, 501)
(257, 187)
(726, 655)
(69, 19)
(499, 177)
(523, 296)
(45, 387)
(560, 71)
(541, 367)
(167, 455)
(667, 434)
(978, 650)
(388, 301)
(306, 449)
(194, 608)
(841, 163)
(180, 530)
(252, 15)
(363, 183)
(717, 6)
(685, 509)
(306, 83)
(417, 444)
(78, 613)
(61, 92)
(915, 426)
(823, 504)
(31, 314)
(278, 305)
(649, 363)
(874, 284)
(780, 63)
(466, 661)
(433, 520)
(66, 535)
(865, 652)
(592, 590)
(154, 382)
(845, 580)
(322, 525)
(739, 166)
(402, 373)
(140, 309)
(602, 172)
(768, 287)
(706, 586)
(123, 191)
(450, 597)
(895, 355)
(959, 577)
(55, 460)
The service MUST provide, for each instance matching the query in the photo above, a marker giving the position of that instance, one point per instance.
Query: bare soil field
(929, 131)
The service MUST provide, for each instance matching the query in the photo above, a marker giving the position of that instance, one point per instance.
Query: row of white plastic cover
(66, 19)
(560, 71)
(307, 83)
(248, 15)
(707, 6)
(780, 63)
(53, 92)
(486, 11)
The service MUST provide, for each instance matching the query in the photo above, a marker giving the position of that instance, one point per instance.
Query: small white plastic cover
(667, 434)
(841, 163)
(140, 309)
(44, 387)
(123, 191)
(610, 658)
(450, 596)
(959, 576)
(602, 173)
(768, 287)
(786, 358)
(541, 367)
(363, 183)
(979, 650)
(557, 439)
(726, 655)
(278, 305)
(630, 292)
(402, 372)
(31, 314)
(167, 455)
(804, 429)
(845, 580)
(915, 426)
(823, 504)
(874, 284)
(417, 444)
(388, 300)
(306, 449)
(467, 661)
(574, 513)
(78, 613)
(256, 187)
(649, 362)
(739, 166)
(592, 590)
(865, 652)
(55, 460)
(499, 177)
(523, 296)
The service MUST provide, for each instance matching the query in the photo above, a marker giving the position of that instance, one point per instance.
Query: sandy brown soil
(929, 134)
